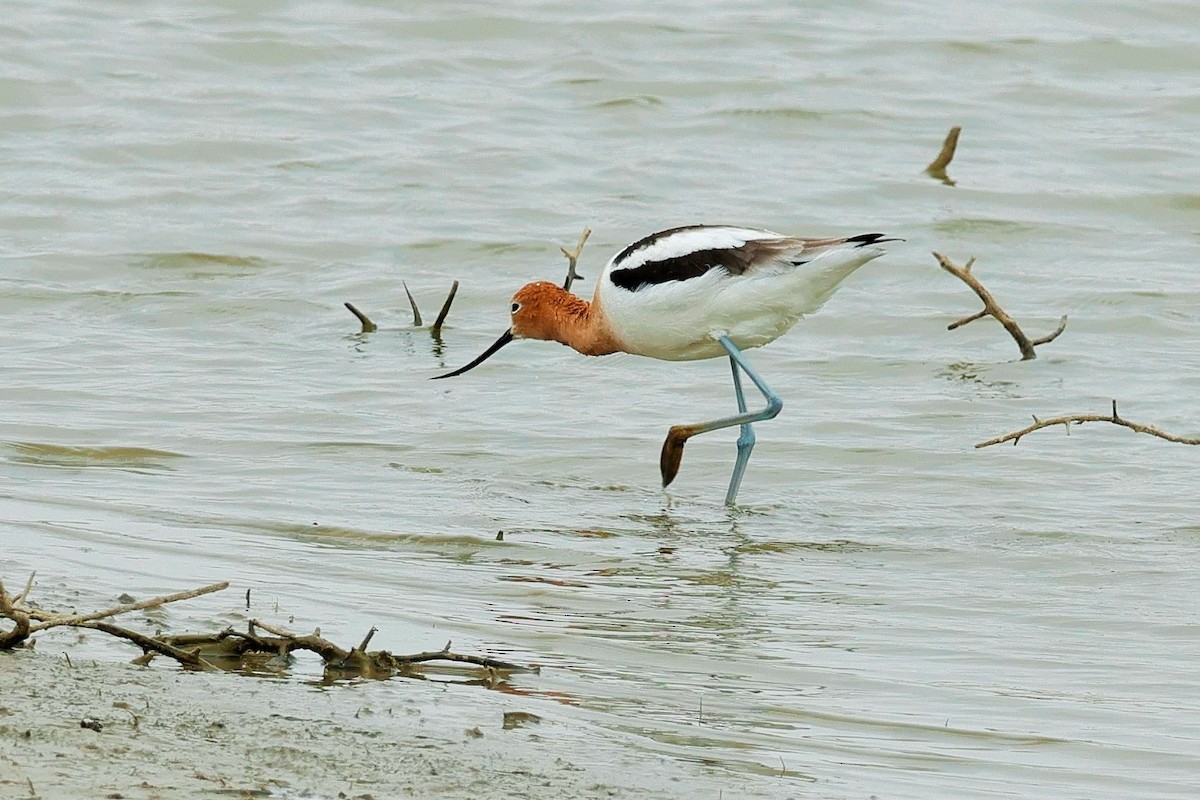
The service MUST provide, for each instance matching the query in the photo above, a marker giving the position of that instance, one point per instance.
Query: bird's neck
(583, 327)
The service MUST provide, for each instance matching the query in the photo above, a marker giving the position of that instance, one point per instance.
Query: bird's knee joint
(774, 406)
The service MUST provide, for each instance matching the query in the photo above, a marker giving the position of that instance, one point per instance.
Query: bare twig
(375, 662)
(24, 595)
(150, 644)
(937, 167)
(441, 317)
(446, 655)
(992, 308)
(190, 649)
(965, 320)
(1062, 326)
(312, 642)
(20, 618)
(573, 259)
(1079, 419)
(367, 325)
(269, 628)
(416, 311)
(362, 646)
(48, 620)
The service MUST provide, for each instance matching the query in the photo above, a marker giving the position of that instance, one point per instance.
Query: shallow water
(192, 193)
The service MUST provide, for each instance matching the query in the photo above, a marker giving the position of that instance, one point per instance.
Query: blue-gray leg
(672, 452)
(745, 442)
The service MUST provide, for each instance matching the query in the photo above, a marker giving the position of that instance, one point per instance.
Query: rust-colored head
(540, 310)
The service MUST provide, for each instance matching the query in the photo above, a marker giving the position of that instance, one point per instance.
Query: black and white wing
(689, 252)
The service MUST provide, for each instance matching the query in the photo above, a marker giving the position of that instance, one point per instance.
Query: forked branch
(1079, 419)
(993, 309)
(573, 259)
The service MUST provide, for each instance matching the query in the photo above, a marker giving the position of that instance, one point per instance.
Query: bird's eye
(516, 307)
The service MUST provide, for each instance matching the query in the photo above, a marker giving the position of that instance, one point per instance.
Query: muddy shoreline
(162, 732)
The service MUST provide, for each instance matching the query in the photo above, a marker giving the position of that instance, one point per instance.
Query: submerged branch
(1078, 419)
(367, 325)
(436, 328)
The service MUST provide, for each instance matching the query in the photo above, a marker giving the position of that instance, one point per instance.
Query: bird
(695, 292)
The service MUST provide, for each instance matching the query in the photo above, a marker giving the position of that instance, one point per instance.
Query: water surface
(191, 193)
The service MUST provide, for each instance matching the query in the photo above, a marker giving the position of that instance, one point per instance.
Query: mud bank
(115, 730)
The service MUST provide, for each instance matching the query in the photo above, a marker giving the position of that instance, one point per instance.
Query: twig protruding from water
(937, 167)
(416, 311)
(573, 259)
(993, 309)
(367, 325)
(436, 330)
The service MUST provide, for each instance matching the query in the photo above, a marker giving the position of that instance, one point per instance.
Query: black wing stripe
(734, 261)
(864, 239)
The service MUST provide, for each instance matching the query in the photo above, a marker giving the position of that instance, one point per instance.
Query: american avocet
(699, 291)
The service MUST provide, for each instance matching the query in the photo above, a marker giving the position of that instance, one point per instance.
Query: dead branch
(436, 330)
(993, 309)
(20, 620)
(445, 655)
(367, 325)
(150, 644)
(1079, 419)
(48, 620)
(313, 642)
(573, 259)
(28, 588)
(22, 614)
(937, 167)
(197, 650)
(359, 661)
(416, 311)
(362, 646)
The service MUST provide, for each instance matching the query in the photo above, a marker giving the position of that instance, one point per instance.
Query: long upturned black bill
(504, 339)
